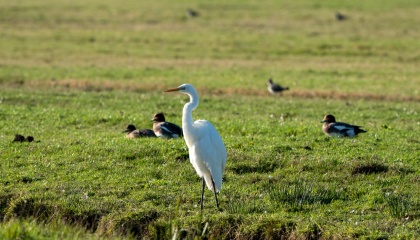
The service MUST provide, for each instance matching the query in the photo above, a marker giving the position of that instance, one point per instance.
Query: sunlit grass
(85, 170)
(73, 74)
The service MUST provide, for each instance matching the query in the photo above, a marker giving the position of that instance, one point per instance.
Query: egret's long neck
(187, 119)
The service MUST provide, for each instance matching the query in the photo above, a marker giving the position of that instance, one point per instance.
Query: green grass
(73, 74)
(85, 171)
(31, 229)
(238, 45)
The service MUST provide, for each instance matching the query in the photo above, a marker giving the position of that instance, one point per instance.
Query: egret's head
(159, 117)
(328, 119)
(184, 88)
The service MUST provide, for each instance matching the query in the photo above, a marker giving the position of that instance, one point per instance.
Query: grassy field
(73, 74)
(31, 229)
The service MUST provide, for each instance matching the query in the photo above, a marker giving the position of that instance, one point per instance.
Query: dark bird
(338, 129)
(20, 138)
(274, 88)
(165, 129)
(132, 132)
(340, 17)
(191, 13)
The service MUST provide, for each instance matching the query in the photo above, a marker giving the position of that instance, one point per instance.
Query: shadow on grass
(13, 207)
(256, 167)
(369, 168)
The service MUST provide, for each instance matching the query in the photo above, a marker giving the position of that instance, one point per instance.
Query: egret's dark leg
(214, 190)
(202, 193)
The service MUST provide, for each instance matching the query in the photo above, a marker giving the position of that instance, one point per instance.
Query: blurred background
(343, 49)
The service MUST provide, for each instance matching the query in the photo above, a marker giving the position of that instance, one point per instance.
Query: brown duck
(338, 129)
(132, 132)
(165, 129)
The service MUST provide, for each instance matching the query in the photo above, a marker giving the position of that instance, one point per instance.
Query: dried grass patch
(87, 85)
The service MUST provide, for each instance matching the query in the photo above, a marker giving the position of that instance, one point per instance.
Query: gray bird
(274, 88)
(191, 13)
(340, 17)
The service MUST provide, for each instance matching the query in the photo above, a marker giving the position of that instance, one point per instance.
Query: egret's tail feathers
(208, 179)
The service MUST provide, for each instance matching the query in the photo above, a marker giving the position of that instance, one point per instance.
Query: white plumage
(206, 149)
(207, 153)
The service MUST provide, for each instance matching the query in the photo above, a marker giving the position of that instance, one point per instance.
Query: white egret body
(206, 149)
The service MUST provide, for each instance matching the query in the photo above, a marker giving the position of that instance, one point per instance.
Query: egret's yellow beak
(175, 89)
(172, 90)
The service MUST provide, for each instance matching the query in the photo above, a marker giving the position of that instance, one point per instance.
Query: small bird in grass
(29, 139)
(274, 88)
(165, 129)
(340, 17)
(132, 132)
(20, 138)
(191, 13)
(338, 129)
(206, 148)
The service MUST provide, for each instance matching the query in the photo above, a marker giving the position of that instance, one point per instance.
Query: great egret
(338, 129)
(274, 88)
(206, 148)
(132, 132)
(165, 129)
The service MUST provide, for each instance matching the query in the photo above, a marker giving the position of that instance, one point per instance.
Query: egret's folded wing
(212, 150)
